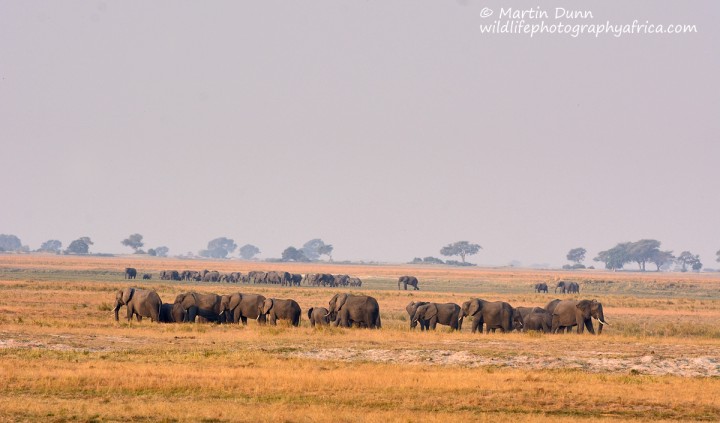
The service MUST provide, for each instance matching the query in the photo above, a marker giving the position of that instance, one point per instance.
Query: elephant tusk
(603, 322)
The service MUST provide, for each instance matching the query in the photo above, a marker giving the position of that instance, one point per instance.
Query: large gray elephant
(195, 304)
(541, 287)
(408, 280)
(495, 315)
(172, 313)
(571, 313)
(433, 313)
(239, 307)
(139, 302)
(349, 309)
(276, 309)
(573, 288)
(318, 316)
(411, 308)
(255, 276)
(562, 286)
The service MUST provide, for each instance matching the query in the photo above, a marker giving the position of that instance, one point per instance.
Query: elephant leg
(476, 323)
(589, 325)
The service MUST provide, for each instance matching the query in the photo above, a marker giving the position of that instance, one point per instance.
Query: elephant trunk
(116, 310)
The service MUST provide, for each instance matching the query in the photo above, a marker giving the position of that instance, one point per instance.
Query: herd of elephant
(254, 277)
(563, 286)
(349, 310)
(190, 307)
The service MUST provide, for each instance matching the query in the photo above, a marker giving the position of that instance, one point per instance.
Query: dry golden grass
(63, 358)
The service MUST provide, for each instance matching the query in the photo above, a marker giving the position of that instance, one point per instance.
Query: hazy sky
(386, 128)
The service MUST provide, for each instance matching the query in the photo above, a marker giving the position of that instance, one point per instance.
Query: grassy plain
(63, 358)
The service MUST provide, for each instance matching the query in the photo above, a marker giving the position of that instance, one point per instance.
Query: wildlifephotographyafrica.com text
(563, 21)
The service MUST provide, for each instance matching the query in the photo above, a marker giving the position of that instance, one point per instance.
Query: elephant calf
(276, 309)
(172, 313)
(318, 316)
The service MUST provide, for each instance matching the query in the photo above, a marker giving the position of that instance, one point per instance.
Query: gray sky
(386, 128)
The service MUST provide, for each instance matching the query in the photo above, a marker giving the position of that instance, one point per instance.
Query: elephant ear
(431, 311)
(268, 305)
(475, 307)
(585, 306)
(234, 301)
(127, 294)
(340, 302)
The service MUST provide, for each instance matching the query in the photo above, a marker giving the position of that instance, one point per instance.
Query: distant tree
(248, 251)
(460, 248)
(218, 248)
(576, 255)
(79, 246)
(616, 257)
(315, 248)
(134, 241)
(162, 251)
(686, 258)
(10, 243)
(661, 258)
(152, 252)
(718, 255)
(51, 246)
(697, 265)
(641, 251)
(294, 254)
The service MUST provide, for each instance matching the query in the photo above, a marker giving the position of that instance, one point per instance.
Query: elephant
(256, 277)
(347, 309)
(172, 313)
(318, 316)
(296, 279)
(281, 309)
(408, 280)
(411, 308)
(535, 319)
(562, 286)
(355, 282)
(170, 275)
(203, 305)
(239, 307)
(541, 287)
(130, 273)
(495, 315)
(139, 302)
(573, 288)
(341, 280)
(570, 313)
(213, 276)
(147, 276)
(433, 313)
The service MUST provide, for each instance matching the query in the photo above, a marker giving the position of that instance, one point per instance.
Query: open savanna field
(64, 358)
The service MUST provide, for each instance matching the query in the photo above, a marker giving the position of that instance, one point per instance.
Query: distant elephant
(203, 305)
(495, 315)
(296, 279)
(172, 313)
(355, 282)
(213, 276)
(240, 307)
(170, 275)
(411, 308)
(408, 280)
(130, 273)
(361, 310)
(147, 276)
(541, 287)
(276, 309)
(573, 288)
(571, 313)
(139, 302)
(562, 286)
(255, 276)
(433, 313)
(318, 316)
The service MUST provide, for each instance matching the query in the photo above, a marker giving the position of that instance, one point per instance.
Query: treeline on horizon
(643, 252)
